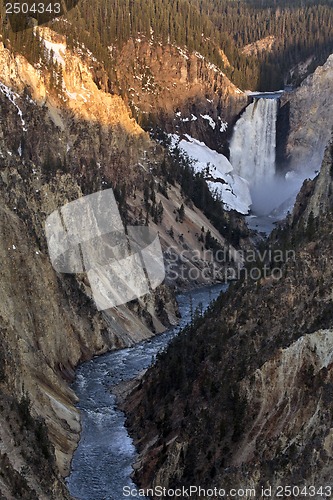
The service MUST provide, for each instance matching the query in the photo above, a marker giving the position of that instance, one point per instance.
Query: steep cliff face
(178, 91)
(310, 110)
(50, 150)
(315, 198)
(243, 398)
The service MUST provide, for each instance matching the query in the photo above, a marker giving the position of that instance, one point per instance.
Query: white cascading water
(253, 145)
(253, 157)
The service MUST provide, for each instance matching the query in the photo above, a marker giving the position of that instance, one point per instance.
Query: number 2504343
(34, 8)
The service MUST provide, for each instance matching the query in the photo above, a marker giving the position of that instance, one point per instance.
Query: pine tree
(181, 213)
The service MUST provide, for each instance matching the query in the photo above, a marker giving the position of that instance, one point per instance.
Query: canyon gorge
(242, 394)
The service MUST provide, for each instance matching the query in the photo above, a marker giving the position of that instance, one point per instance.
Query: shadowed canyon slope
(243, 397)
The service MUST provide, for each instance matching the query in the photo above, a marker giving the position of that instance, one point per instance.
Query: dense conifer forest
(302, 31)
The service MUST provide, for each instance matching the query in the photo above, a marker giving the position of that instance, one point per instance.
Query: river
(102, 463)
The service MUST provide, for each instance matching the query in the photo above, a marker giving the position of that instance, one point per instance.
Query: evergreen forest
(302, 31)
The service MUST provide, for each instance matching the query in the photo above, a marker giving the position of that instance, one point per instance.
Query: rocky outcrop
(177, 90)
(315, 199)
(310, 110)
(262, 45)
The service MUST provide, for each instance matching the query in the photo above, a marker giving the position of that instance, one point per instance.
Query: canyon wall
(310, 119)
(61, 138)
(179, 91)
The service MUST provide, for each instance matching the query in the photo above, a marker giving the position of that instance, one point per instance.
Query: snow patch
(224, 126)
(182, 53)
(199, 56)
(71, 95)
(235, 191)
(12, 96)
(59, 50)
(210, 120)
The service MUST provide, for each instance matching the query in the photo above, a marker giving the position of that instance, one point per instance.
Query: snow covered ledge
(222, 180)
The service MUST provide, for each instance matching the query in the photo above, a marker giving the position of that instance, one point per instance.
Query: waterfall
(253, 145)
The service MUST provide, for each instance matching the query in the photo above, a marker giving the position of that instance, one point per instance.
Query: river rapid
(102, 463)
